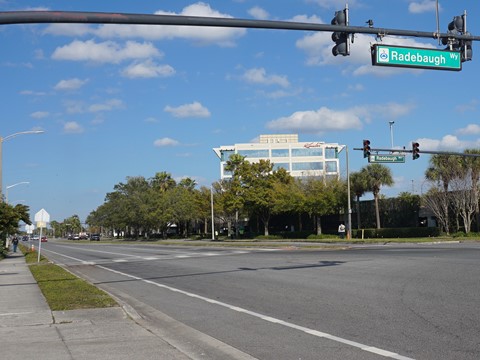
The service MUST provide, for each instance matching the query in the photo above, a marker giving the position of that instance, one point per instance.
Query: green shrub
(411, 232)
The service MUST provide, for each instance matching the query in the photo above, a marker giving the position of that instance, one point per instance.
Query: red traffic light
(415, 150)
(366, 148)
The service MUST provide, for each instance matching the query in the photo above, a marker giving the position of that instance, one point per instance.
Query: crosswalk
(84, 257)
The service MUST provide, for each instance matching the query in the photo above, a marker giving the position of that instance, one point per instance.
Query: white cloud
(259, 76)
(74, 30)
(418, 7)
(105, 52)
(40, 114)
(470, 129)
(258, 13)
(70, 84)
(317, 121)
(72, 127)
(108, 105)
(336, 4)
(314, 19)
(318, 49)
(163, 142)
(222, 36)
(147, 69)
(325, 119)
(34, 93)
(447, 143)
(194, 109)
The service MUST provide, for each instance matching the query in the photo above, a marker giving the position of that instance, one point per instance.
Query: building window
(307, 166)
(254, 153)
(280, 153)
(331, 153)
(331, 166)
(226, 154)
(307, 152)
(277, 166)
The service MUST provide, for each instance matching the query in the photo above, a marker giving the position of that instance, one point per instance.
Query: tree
(10, 217)
(162, 181)
(321, 199)
(377, 175)
(473, 165)
(358, 186)
(442, 170)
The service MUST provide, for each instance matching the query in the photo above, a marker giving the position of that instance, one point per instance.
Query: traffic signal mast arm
(77, 17)
(420, 151)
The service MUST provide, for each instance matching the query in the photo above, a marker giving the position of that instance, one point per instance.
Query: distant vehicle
(25, 238)
(35, 237)
(44, 239)
(76, 237)
(95, 237)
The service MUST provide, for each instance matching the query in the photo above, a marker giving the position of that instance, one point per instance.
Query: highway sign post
(42, 218)
(386, 158)
(412, 57)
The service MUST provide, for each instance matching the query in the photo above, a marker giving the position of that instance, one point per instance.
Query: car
(76, 237)
(44, 239)
(95, 237)
(35, 238)
(25, 238)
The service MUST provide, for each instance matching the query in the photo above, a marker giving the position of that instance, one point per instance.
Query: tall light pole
(10, 186)
(391, 132)
(2, 139)
(349, 215)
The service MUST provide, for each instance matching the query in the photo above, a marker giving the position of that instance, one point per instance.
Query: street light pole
(391, 132)
(349, 215)
(2, 139)
(10, 186)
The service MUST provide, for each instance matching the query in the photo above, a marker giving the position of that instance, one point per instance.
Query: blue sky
(119, 100)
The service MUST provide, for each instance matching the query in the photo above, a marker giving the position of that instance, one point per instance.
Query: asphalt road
(371, 302)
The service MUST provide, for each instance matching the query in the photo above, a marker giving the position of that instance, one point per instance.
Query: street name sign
(386, 158)
(412, 57)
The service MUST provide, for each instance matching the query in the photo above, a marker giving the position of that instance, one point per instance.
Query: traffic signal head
(340, 38)
(366, 148)
(457, 25)
(466, 49)
(415, 150)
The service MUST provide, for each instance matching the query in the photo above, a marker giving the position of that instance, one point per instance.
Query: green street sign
(386, 158)
(410, 57)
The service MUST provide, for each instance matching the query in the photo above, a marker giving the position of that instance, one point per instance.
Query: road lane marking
(367, 348)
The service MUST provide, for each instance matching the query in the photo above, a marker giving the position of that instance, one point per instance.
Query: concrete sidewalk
(30, 330)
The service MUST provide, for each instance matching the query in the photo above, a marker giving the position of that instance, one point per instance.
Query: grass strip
(62, 289)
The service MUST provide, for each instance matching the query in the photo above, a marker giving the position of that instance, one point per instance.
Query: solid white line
(371, 349)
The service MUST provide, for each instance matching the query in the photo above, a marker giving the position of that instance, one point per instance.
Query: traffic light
(340, 38)
(366, 148)
(458, 26)
(415, 150)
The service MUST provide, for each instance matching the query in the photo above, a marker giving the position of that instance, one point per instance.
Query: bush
(268, 237)
(321, 237)
(411, 232)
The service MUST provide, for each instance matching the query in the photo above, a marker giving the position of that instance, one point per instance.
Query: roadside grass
(62, 289)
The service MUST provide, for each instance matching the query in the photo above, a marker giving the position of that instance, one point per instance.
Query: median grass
(62, 289)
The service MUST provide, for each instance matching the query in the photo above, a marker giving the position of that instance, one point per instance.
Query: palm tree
(442, 170)
(376, 176)
(358, 186)
(163, 181)
(473, 164)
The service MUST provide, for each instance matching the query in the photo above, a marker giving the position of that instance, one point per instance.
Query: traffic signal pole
(31, 17)
(434, 152)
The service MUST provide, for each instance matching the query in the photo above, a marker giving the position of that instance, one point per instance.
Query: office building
(300, 159)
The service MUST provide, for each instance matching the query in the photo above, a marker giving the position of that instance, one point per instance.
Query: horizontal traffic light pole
(31, 17)
(421, 152)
